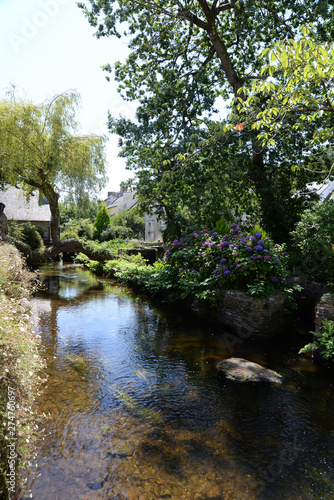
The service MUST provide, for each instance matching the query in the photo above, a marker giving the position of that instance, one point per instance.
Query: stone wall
(324, 309)
(247, 316)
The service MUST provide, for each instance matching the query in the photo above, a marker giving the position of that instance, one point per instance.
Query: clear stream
(138, 411)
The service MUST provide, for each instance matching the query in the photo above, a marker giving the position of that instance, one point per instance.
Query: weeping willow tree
(40, 148)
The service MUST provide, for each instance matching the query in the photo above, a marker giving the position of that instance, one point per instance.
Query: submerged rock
(242, 370)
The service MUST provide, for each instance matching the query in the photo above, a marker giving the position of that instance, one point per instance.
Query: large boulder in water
(242, 370)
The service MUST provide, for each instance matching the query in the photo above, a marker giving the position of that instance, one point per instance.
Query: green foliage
(80, 209)
(177, 224)
(298, 80)
(222, 226)
(206, 261)
(32, 237)
(185, 157)
(84, 228)
(202, 263)
(313, 242)
(113, 232)
(102, 220)
(258, 229)
(15, 230)
(21, 363)
(68, 234)
(129, 219)
(324, 341)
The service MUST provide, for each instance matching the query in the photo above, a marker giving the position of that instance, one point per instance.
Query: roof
(17, 208)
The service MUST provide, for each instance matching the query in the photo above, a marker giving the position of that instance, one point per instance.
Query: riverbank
(21, 377)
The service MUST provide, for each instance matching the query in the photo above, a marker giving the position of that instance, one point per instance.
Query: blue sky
(47, 47)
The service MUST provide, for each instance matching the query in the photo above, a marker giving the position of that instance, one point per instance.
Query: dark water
(137, 410)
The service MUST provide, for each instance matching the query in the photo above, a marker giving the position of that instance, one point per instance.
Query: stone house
(118, 201)
(36, 211)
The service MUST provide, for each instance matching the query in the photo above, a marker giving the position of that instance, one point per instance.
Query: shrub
(324, 341)
(131, 220)
(15, 230)
(113, 232)
(205, 261)
(102, 220)
(32, 237)
(68, 234)
(84, 229)
(313, 241)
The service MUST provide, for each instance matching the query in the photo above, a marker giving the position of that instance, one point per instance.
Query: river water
(138, 411)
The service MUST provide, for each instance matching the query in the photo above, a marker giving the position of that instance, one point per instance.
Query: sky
(48, 47)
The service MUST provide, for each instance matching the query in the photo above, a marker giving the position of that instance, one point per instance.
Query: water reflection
(137, 410)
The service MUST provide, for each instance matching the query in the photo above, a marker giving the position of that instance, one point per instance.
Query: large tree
(184, 56)
(41, 149)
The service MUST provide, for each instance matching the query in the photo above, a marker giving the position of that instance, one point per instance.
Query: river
(138, 411)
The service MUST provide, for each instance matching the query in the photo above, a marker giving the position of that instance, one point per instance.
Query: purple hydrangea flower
(224, 244)
(265, 251)
(245, 268)
(260, 242)
(258, 235)
(277, 260)
(249, 249)
(185, 244)
(237, 266)
(167, 252)
(231, 266)
(259, 256)
(222, 261)
(258, 248)
(285, 253)
(226, 273)
(219, 265)
(234, 225)
(266, 257)
(204, 231)
(252, 238)
(274, 279)
(225, 268)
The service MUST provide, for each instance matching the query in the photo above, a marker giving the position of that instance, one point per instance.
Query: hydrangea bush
(204, 261)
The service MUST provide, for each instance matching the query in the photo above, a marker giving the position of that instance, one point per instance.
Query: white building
(153, 227)
(123, 200)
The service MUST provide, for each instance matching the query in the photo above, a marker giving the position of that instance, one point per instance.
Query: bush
(113, 232)
(15, 230)
(102, 220)
(205, 261)
(32, 237)
(68, 234)
(131, 220)
(313, 241)
(324, 341)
